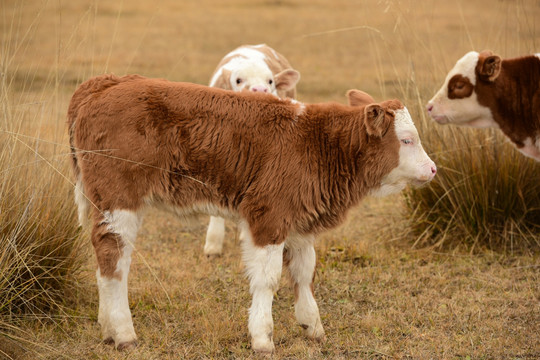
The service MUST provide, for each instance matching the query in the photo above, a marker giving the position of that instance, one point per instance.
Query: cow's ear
(377, 120)
(287, 79)
(488, 67)
(359, 98)
(224, 80)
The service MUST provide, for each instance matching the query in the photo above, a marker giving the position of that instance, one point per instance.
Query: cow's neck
(329, 174)
(514, 99)
(337, 148)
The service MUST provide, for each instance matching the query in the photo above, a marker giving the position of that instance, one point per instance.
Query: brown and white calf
(285, 170)
(483, 90)
(257, 68)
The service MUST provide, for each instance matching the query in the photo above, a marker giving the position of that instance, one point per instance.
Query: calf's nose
(429, 169)
(429, 107)
(259, 88)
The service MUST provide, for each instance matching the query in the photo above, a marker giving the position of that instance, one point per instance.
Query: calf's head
(414, 165)
(242, 74)
(456, 102)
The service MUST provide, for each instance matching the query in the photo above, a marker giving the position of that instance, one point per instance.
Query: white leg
(301, 259)
(215, 236)
(114, 313)
(263, 268)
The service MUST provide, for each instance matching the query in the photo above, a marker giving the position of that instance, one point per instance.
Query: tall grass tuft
(41, 251)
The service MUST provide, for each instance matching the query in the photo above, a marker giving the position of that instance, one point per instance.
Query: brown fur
(510, 88)
(459, 87)
(108, 248)
(281, 169)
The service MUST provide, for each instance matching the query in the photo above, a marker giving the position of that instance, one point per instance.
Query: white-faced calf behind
(483, 90)
(285, 170)
(257, 68)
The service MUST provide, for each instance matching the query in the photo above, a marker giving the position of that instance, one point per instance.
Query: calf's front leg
(263, 268)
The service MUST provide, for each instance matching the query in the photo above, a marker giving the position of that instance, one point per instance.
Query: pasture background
(378, 297)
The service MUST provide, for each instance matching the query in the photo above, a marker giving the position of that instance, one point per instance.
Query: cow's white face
(456, 102)
(251, 75)
(415, 167)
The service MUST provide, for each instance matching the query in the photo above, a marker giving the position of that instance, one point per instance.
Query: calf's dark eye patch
(459, 87)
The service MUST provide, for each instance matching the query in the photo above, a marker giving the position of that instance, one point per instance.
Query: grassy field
(379, 297)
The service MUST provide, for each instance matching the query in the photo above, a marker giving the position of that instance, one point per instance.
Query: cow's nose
(259, 88)
(429, 107)
(433, 171)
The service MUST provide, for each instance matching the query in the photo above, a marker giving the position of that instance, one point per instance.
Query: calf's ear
(488, 67)
(287, 79)
(359, 98)
(224, 80)
(377, 120)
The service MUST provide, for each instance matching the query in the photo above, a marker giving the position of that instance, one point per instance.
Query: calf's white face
(456, 102)
(251, 75)
(247, 70)
(415, 166)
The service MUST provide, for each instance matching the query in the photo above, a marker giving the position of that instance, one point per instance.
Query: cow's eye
(407, 141)
(238, 81)
(459, 85)
(270, 81)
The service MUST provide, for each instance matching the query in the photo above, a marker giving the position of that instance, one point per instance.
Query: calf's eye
(459, 85)
(407, 141)
(238, 81)
(270, 81)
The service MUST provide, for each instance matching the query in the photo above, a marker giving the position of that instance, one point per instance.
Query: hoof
(265, 348)
(212, 256)
(127, 346)
(214, 242)
(264, 353)
(320, 339)
(317, 334)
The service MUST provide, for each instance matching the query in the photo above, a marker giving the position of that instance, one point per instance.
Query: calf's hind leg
(300, 259)
(113, 237)
(215, 236)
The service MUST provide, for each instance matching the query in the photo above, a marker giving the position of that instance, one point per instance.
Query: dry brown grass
(378, 298)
